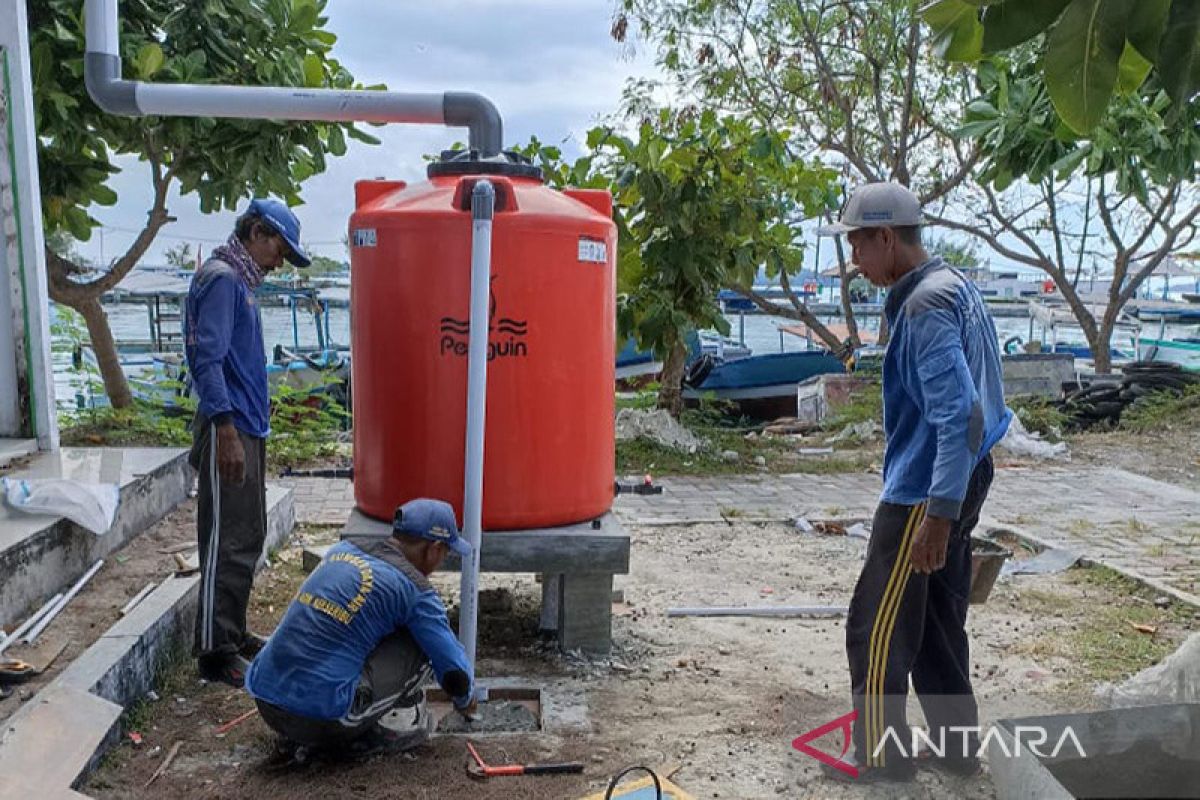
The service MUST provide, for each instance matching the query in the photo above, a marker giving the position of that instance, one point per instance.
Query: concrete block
(585, 612)
(12, 449)
(281, 519)
(51, 741)
(312, 555)
(821, 395)
(43, 554)
(1039, 374)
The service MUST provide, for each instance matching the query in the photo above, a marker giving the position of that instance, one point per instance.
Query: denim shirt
(943, 390)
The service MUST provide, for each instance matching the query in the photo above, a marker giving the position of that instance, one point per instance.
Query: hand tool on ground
(481, 769)
(14, 670)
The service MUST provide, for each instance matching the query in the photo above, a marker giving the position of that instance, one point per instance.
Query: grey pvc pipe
(483, 202)
(760, 611)
(102, 74)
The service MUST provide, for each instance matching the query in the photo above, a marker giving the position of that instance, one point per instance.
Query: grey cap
(877, 205)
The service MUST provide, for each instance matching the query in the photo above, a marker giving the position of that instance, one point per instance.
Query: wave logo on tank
(506, 336)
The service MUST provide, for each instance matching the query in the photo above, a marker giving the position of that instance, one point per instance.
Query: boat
(634, 363)
(763, 386)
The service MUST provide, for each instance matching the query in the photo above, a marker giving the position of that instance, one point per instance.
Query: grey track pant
(391, 678)
(231, 525)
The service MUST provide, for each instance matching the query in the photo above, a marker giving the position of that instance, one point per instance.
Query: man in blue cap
(361, 638)
(224, 346)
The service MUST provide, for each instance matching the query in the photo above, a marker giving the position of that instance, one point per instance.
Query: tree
(267, 42)
(1043, 192)
(180, 256)
(322, 265)
(1090, 50)
(848, 82)
(955, 253)
(706, 201)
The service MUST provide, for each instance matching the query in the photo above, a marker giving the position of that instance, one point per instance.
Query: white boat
(1183, 351)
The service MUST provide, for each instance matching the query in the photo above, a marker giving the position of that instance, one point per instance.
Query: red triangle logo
(844, 723)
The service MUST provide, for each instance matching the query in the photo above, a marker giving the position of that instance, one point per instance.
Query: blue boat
(764, 386)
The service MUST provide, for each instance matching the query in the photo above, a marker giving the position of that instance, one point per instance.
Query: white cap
(877, 205)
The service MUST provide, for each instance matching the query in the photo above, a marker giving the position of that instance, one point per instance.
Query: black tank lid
(469, 162)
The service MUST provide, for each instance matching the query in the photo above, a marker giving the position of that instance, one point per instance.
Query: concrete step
(41, 554)
(12, 449)
(59, 735)
(53, 737)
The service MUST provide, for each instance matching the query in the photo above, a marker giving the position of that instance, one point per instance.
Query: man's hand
(231, 458)
(470, 710)
(929, 545)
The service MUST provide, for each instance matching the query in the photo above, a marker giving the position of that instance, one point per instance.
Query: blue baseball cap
(285, 223)
(432, 520)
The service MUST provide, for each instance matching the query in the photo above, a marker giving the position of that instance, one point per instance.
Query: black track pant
(231, 525)
(903, 624)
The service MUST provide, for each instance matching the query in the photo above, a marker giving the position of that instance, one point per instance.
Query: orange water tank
(549, 446)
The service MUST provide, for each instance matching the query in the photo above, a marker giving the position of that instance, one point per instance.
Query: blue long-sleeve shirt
(943, 389)
(224, 347)
(345, 608)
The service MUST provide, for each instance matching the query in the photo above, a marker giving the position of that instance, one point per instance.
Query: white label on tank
(364, 237)
(592, 250)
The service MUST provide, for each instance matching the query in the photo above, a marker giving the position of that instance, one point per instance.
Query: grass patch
(141, 425)
(1039, 415)
(1105, 645)
(1163, 411)
(865, 404)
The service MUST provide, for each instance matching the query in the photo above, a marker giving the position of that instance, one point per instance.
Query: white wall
(24, 300)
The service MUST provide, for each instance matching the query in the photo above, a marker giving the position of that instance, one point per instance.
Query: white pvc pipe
(29, 623)
(760, 611)
(110, 91)
(269, 102)
(61, 604)
(137, 598)
(483, 200)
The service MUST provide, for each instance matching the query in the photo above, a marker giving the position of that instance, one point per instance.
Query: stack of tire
(1101, 404)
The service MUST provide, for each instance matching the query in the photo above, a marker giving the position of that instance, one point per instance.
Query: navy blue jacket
(943, 389)
(224, 346)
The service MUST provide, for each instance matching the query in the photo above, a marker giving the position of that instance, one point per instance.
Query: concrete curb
(52, 557)
(84, 704)
(1041, 543)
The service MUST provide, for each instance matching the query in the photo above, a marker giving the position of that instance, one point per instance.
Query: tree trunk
(885, 332)
(844, 288)
(670, 391)
(115, 385)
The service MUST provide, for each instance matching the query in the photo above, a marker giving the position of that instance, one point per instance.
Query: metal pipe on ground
(760, 611)
(58, 607)
(102, 74)
(29, 623)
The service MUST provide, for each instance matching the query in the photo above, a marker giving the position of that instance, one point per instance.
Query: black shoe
(252, 645)
(902, 771)
(228, 669)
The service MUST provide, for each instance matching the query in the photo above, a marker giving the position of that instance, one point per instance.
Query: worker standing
(943, 411)
(225, 354)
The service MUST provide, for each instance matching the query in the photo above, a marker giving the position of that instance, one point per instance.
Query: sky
(550, 67)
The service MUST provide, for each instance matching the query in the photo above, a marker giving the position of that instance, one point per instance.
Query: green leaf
(314, 70)
(1132, 70)
(957, 33)
(973, 130)
(1008, 24)
(1071, 161)
(1179, 54)
(103, 195)
(149, 60)
(982, 109)
(1080, 63)
(1145, 26)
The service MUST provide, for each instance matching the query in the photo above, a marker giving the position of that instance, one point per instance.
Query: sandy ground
(1171, 456)
(97, 606)
(721, 698)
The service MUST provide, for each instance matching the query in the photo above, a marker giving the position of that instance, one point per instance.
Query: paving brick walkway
(1143, 527)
